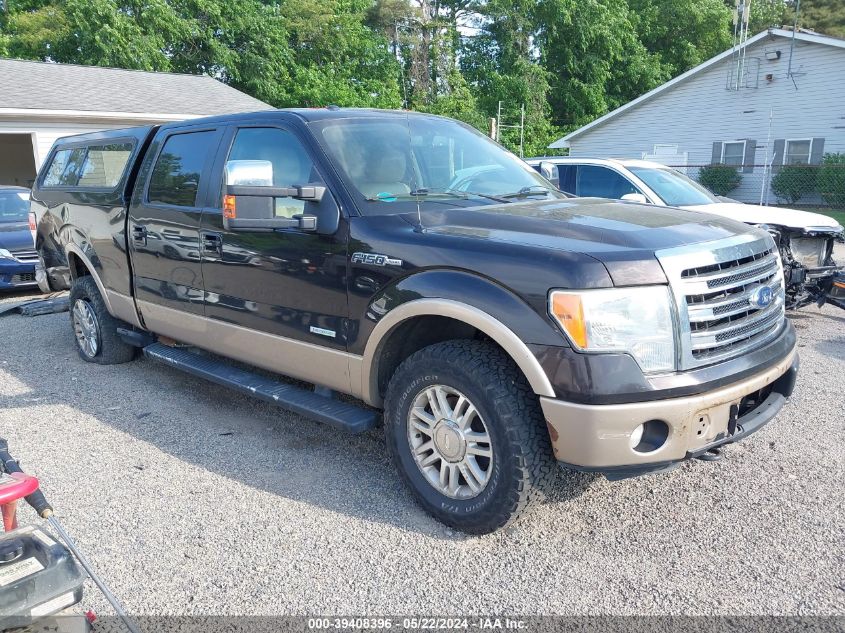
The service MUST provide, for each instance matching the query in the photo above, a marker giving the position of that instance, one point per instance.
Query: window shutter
(817, 151)
(780, 146)
(748, 159)
(716, 157)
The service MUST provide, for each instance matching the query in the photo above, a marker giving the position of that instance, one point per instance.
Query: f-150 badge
(375, 259)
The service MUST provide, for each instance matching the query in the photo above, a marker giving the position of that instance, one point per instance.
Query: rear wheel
(466, 431)
(94, 329)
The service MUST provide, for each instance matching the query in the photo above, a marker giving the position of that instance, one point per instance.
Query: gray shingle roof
(45, 86)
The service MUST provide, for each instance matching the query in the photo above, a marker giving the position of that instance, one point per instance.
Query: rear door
(165, 215)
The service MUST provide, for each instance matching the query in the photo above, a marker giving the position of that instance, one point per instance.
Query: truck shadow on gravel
(231, 435)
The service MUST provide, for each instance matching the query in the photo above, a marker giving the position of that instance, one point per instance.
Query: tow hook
(713, 455)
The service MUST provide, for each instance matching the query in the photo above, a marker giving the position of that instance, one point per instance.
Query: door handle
(212, 242)
(139, 234)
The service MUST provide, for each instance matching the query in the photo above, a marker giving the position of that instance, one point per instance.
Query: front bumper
(14, 274)
(598, 437)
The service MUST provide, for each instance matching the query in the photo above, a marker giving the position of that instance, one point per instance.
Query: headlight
(4, 254)
(637, 321)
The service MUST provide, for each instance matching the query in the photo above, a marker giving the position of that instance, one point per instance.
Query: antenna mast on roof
(742, 15)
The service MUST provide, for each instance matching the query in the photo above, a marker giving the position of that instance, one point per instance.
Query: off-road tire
(523, 469)
(112, 350)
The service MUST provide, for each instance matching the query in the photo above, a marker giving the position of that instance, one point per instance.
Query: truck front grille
(714, 286)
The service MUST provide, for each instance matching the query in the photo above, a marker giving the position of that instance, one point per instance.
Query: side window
(64, 168)
(567, 174)
(104, 165)
(600, 182)
(175, 178)
(289, 160)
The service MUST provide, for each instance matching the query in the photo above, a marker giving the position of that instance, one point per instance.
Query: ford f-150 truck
(412, 263)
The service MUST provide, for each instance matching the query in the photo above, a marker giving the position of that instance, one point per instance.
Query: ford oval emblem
(761, 297)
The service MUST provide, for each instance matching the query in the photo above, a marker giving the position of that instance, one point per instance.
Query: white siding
(47, 132)
(701, 110)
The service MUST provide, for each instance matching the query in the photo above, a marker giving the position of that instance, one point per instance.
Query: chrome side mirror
(549, 171)
(635, 197)
(249, 173)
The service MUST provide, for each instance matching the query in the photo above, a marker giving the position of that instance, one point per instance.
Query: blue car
(17, 246)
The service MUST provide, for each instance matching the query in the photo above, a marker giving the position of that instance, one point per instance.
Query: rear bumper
(598, 437)
(14, 274)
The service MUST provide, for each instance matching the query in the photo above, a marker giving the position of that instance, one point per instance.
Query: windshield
(14, 206)
(396, 162)
(673, 187)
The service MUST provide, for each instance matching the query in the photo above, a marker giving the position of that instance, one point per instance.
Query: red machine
(39, 575)
(14, 486)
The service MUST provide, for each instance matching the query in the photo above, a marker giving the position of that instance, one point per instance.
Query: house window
(733, 153)
(798, 152)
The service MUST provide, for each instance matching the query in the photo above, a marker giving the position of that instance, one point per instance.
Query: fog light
(649, 436)
(637, 436)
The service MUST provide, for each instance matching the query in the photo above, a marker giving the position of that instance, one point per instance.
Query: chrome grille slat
(753, 274)
(736, 330)
(713, 284)
(743, 272)
(721, 308)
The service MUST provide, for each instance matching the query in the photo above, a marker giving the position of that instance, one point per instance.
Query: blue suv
(17, 246)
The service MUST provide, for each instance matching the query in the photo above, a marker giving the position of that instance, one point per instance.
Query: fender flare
(86, 261)
(118, 305)
(492, 327)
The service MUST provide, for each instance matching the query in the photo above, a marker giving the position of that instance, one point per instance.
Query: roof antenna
(792, 42)
(416, 186)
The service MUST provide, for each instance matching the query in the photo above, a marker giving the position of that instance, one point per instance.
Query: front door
(165, 217)
(289, 283)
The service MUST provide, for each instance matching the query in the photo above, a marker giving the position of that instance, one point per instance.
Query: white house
(779, 99)
(39, 102)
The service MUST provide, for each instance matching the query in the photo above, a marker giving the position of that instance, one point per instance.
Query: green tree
(594, 58)
(682, 33)
(824, 16)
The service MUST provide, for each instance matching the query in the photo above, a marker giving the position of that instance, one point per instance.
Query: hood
(16, 236)
(621, 235)
(756, 214)
(586, 225)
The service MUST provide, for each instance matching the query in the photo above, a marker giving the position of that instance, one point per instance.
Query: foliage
(831, 179)
(793, 182)
(566, 61)
(824, 16)
(684, 33)
(720, 179)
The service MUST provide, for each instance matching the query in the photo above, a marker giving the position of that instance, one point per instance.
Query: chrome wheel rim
(450, 442)
(85, 328)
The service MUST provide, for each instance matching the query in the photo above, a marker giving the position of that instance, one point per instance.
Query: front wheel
(94, 329)
(466, 431)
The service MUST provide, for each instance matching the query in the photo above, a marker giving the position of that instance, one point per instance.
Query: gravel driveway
(193, 500)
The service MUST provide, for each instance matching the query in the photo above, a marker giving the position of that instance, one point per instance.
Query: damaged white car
(805, 239)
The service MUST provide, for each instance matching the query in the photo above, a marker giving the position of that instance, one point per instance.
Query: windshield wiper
(424, 192)
(533, 190)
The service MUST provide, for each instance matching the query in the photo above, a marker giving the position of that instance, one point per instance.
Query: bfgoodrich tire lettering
(522, 465)
(110, 349)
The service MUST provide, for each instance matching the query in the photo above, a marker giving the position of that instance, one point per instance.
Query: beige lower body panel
(289, 357)
(594, 436)
(122, 307)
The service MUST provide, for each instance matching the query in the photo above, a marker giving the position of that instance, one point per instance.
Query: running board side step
(335, 413)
